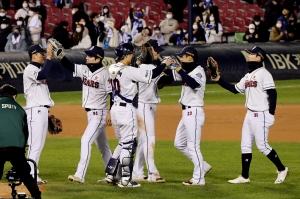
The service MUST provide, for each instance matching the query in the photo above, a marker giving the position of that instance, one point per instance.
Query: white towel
(15, 40)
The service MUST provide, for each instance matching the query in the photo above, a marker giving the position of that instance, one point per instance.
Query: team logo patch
(199, 75)
(255, 114)
(96, 77)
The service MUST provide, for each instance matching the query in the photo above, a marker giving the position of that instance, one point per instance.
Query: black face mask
(253, 65)
(188, 66)
(94, 67)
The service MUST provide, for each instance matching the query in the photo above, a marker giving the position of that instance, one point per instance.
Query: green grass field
(61, 155)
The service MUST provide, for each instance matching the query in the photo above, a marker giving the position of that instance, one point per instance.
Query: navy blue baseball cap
(189, 50)
(257, 51)
(35, 49)
(156, 46)
(95, 51)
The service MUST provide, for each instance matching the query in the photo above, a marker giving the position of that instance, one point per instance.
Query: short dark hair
(93, 15)
(256, 18)
(63, 23)
(8, 90)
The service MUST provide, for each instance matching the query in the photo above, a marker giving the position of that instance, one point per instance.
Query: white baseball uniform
(95, 89)
(189, 130)
(258, 120)
(38, 101)
(124, 115)
(148, 98)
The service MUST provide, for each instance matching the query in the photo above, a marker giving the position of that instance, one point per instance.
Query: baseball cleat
(110, 179)
(74, 179)
(142, 179)
(131, 184)
(40, 181)
(281, 175)
(239, 180)
(207, 170)
(191, 183)
(156, 178)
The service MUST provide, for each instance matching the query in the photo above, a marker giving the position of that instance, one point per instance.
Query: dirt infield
(6, 190)
(223, 122)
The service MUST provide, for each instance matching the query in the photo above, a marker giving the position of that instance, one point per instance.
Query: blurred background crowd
(79, 24)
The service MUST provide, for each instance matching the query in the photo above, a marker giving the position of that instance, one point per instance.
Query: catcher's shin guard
(127, 162)
(112, 166)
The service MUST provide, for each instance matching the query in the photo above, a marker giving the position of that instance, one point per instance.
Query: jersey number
(189, 113)
(115, 84)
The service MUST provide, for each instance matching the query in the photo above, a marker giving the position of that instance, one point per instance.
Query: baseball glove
(57, 49)
(54, 125)
(212, 68)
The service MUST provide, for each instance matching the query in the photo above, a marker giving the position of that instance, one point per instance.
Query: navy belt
(45, 106)
(122, 104)
(88, 109)
(185, 107)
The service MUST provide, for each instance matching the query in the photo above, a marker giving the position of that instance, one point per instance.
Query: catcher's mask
(146, 55)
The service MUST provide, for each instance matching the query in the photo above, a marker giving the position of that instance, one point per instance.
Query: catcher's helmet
(124, 49)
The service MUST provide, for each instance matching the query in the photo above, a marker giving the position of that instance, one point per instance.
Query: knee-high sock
(246, 161)
(275, 159)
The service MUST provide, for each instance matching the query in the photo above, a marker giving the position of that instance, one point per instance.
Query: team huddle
(131, 85)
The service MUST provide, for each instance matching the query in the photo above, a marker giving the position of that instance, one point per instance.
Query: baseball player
(148, 98)
(95, 89)
(189, 130)
(260, 92)
(38, 101)
(124, 80)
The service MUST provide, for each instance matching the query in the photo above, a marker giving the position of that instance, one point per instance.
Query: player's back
(148, 92)
(36, 92)
(126, 78)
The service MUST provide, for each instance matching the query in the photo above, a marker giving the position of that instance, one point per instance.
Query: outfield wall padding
(283, 61)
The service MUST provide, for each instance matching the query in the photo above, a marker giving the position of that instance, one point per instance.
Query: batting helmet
(124, 49)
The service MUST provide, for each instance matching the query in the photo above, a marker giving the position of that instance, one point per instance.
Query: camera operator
(13, 138)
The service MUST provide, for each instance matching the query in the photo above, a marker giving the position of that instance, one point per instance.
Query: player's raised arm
(36, 54)
(214, 75)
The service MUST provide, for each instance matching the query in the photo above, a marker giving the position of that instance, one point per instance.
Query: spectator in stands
(59, 3)
(251, 36)
(198, 34)
(18, 4)
(61, 34)
(5, 4)
(41, 10)
(198, 8)
(77, 15)
(272, 12)
(137, 23)
(3, 16)
(290, 32)
(177, 7)
(178, 37)
(34, 26)
(199, 21)
(81, 39)
(24, 31)
(277, 32)
(106, 13)
(142, 37)
(4, 32)
(168, 25)
(157, 35)
(96, 28)
(261, 29)
(16, 41)
(84, 23)
(23, 12)
(213, 29)
(286, 13)
(125, 34)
